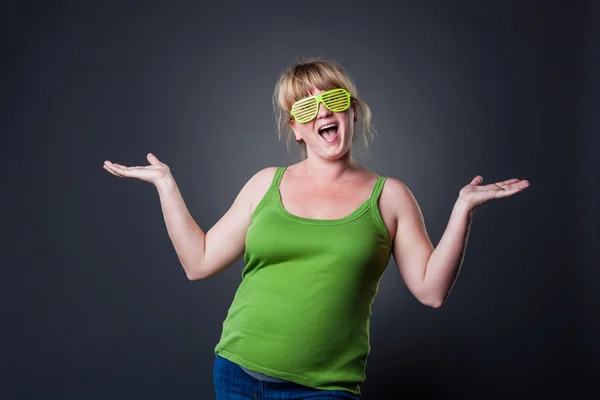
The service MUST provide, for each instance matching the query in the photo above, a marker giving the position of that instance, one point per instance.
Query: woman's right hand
(154, 173)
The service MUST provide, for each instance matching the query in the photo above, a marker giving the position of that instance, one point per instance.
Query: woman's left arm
(430, 272)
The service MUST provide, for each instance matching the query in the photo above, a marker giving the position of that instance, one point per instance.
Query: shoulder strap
(375, 208)
(277, 178)
(273, 188)
(377, 190)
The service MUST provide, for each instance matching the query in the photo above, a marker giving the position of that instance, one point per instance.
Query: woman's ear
(355, 114)
(293, 126)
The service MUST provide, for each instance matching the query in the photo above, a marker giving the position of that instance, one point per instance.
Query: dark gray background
(96, 304)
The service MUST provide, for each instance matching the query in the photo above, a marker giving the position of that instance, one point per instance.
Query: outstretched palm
(475, 195)
(153, 173)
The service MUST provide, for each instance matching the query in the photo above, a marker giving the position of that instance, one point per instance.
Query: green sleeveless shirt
(302, 310)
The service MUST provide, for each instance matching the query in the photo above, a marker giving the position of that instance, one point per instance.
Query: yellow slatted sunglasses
(306, 109)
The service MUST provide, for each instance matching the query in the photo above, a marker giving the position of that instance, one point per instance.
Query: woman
(316, 237)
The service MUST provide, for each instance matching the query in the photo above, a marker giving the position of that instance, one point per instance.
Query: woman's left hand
(474, 195)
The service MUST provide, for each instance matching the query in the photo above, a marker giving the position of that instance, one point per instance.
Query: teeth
(327, 126)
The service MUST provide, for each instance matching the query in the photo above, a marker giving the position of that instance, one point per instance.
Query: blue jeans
(232, 383)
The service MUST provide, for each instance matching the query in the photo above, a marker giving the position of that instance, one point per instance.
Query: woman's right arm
(201, 254)
(205, 254)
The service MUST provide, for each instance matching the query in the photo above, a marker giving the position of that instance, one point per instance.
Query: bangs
(303, 78)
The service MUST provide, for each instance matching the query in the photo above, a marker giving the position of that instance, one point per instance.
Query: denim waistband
(262, 377)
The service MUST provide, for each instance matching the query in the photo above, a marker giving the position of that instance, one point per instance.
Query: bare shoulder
(395, 189)
(258, 185)
(397, 197)
(262, 178)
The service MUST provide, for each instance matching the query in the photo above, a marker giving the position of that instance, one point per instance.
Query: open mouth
(329, 132)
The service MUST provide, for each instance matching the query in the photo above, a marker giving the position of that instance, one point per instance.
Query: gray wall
(97, 305)
(589, 212)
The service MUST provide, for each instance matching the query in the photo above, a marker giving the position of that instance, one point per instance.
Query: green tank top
(302, 310)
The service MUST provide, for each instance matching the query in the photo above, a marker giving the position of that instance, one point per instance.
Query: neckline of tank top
(362, 208)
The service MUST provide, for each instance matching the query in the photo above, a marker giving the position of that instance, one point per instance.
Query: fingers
(477, 180)
(111, 171)
(152, 159)
(118, 170)
(513, 188)
(504, 185)
(511, 185)
(515, 184)
(507, 182)
(148, 173)
(122, 171)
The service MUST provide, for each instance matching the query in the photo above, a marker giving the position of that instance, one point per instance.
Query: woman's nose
(323, 111)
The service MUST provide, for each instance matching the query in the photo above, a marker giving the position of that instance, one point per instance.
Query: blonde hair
(297, 83)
